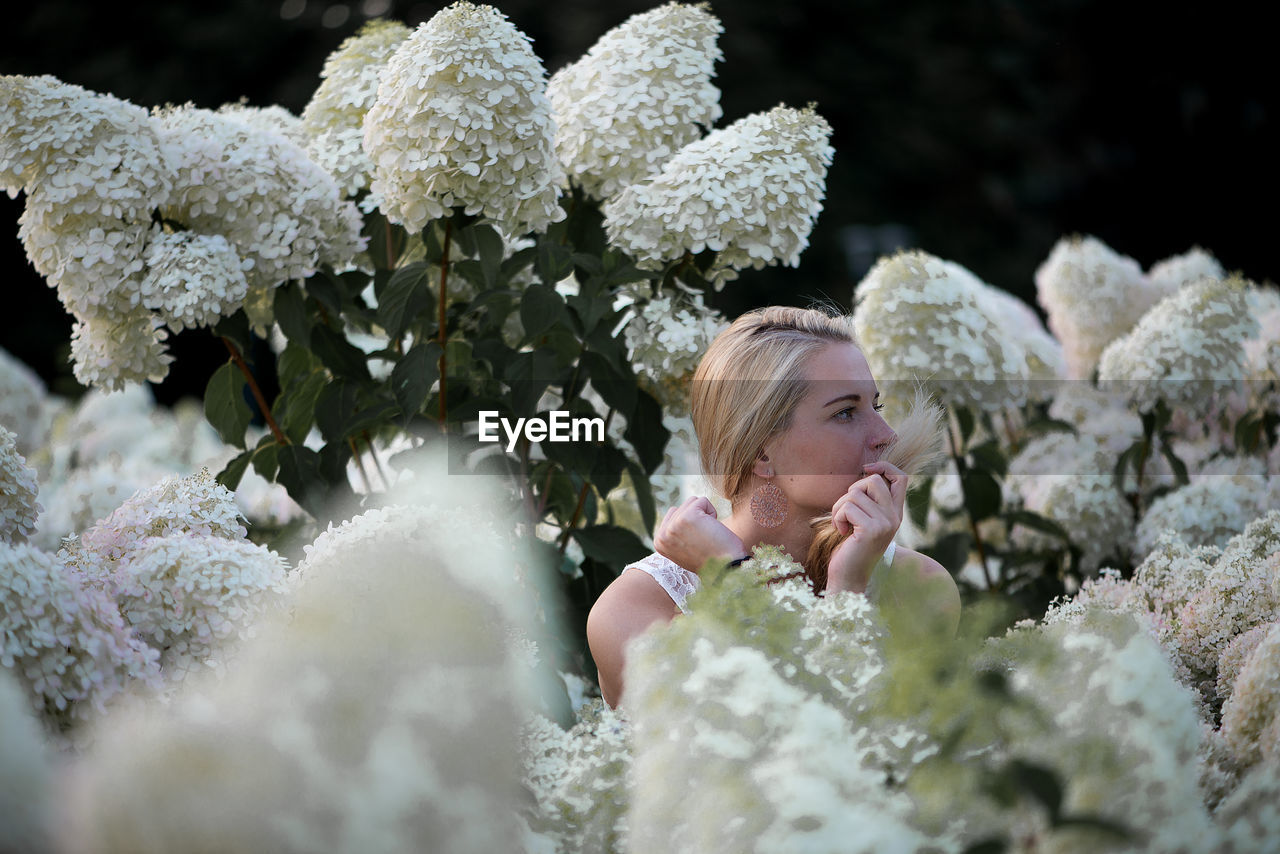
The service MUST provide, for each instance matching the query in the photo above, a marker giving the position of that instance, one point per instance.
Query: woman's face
(835, 430)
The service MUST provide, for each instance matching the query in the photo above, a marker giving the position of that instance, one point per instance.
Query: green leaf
(1175, 463)
(386, 241)
(490, 248)
(982, 496)
(919, 496)
(607, 469)
(266, 460)
(300, 475)
(291, 313)
(645, 431)
(406, 298)
(1040, 782)
(1037, 522)
(989, 457)
(335, 407)
(235, 328)
(540, 309)
(295, 365)
(644, 495)
(413, 376)
(233, 471)
(555, 261)
(610, 544)
(617, 389)
(994, 845)
(338, 354)
(328, 291)
(295, 408)
(965, 417)
(225, 406)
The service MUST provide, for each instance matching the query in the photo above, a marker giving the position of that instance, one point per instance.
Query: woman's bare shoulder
(928, 587)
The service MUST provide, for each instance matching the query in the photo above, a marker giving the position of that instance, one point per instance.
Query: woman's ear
(762, 467)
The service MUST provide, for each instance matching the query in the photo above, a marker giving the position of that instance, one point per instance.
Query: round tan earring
(769, 505)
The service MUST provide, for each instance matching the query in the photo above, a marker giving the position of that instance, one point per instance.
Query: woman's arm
(628, 606)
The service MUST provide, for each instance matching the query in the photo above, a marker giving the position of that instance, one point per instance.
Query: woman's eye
(844, 414)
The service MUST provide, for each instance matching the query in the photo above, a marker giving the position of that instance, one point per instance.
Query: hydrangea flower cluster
(22, 397)
(93, 172)
(749, 192)
(462, 120)
(333, 119)
(1065, 478)
(64, 641)
(920, 317)
(1251, 715)
(280, 211)
(1208, 511)
(1092, 295)
(1184, 349)
(1168, 276)
(639, 95)
(18, 492)
(192, 279)
(667, 336)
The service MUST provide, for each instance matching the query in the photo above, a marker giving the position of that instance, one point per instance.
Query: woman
(788, 424)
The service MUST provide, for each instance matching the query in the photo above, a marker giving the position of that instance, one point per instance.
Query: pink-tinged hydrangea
(1185, 350)
(667, 336)
(1169, 576)
(186, 505)
(639, 95)
(920, 318)
(1207, 512)
(64, 641)
(193, 279)
(749, 192)
(22, 396)
(1092, 295)
(1251, 716)
(281, 212)
(1236, 654)
(187, 594)
(334, 117)
(18, 492)
(462, 120)
(89, 493)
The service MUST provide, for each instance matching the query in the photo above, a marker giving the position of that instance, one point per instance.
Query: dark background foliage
(978, 130)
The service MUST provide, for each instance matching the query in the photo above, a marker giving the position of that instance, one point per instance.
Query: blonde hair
(748, 384)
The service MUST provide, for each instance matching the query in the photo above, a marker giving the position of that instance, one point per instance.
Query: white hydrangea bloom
(193, 279)
(462, 120)
(186, 505)
(89, 493)
(22, 396)
(1236, 655)
(112, 350)
(640, 94)
(1112, 685)
(381, 713)
(1168, 276)
(1066, 478)
(334, 117)
(1046, 363)
(749, 192)
(1251, 716)
(1185, 348)
(1092, 295)
(65, 642)
(1208, 511)
(273, 119)
(279, 210)
(186, 594)
(26, 805)
(919, 317)
(667, 336)
(18, 492)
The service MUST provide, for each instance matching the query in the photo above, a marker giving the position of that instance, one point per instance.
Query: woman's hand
(690, 535)
(869, 515)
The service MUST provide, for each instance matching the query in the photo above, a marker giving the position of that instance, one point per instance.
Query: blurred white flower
(462, 120)
(1092, 295)
(920, 318)
(334, 117)
(749, 192)
(18, 492)
(192, 279)
(26, 805)
(1251, 716)
(1185, 349)
(1168, 276)
(1250, 815)
(640, 94)
(65, 642)
(22, 397)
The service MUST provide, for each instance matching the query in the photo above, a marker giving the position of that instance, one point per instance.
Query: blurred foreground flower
(462, 120)
(749, 193)
(641, 93)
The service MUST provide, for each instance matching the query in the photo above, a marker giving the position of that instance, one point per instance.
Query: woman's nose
(885, 439)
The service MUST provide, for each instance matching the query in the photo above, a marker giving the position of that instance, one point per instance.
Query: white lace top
(680, 583)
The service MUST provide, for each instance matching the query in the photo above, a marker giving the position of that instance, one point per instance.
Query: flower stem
(276, 432)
